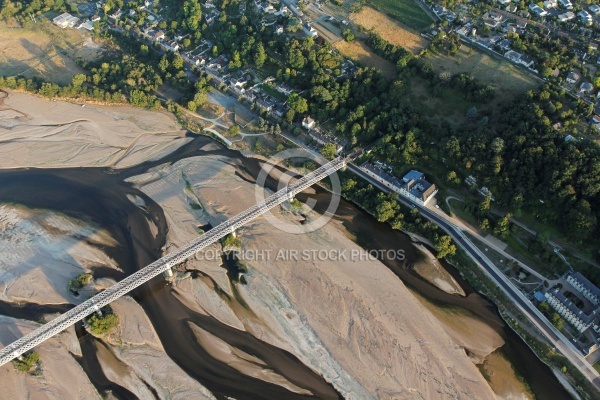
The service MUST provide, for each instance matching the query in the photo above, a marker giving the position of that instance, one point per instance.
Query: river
(101, 195)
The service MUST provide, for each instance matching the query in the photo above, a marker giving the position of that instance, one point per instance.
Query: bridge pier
(168, 274)
(233, 233)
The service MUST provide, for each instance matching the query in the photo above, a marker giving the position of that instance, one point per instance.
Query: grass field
(389, 29)
(361, 53)
(406, 11)
(501, 74)
(44, 50)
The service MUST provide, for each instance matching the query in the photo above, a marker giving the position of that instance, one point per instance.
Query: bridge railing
(138, 278)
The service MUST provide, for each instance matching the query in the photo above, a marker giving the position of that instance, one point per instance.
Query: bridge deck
(136, 279)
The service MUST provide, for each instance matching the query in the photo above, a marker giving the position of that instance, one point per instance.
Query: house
(566, 4)
(264, 104)
(267, 7)
(551, 3)
(117, 14)
(521, 24)
(573, 77)
(566, 16)
(249, 95)
(65, 20)
(309, 30)
(284, 88)
(218, 63)
(595, 120)
(537, 10)
(308, 123)
(278, 29)
(504, 45)
(131, 12)
(510, 29)
(526, 61)
(415, 185)
(568, 138)
(158, 36)
(511, 8)
(171, 46)
(585, 17)
(504, 2)
(95, 18)
(87, 25)
(593, 47)
(595, 9)
(513, 55)
(585, 287)
(438, 10)
(280, 111)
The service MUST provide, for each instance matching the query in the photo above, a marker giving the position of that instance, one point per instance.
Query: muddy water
(100, 194)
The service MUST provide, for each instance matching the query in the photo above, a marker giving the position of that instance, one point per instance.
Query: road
(559, 341)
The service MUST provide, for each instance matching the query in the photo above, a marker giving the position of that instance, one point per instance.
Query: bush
(80, 281)
(99, 325)
(231, 241)
(27, 362)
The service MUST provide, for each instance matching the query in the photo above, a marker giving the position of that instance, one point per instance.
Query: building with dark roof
(585, 287)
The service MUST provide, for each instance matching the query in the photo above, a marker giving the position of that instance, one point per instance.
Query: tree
(78, 80)
(557, 321)
(193, 14)
(177, 62)
(444, 246)
(348, 35)
(99, 325)
(27, 361)
(329, 151)
(497, 145)
(297, 103)
(544, 307)
(163, 64)
(485, 224)
(485, 205)
(234, 130)
(472, 113)
(384, 211)
(144, 50)
(260, 56)
(501, 228)
(453, 178)
(581, 221)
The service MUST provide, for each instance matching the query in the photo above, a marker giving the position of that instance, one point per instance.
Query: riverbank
(278, 315)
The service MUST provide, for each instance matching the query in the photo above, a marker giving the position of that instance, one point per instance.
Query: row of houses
(571, 313)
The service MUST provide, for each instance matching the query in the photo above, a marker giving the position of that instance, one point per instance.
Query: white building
(569, 15)
(569, 311)
(65, 20)
(308, 123)
(585, 17)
